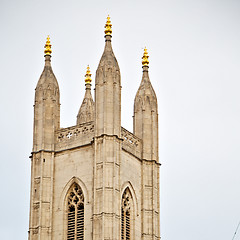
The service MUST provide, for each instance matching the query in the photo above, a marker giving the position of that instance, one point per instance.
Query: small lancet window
(126, 212)
(75, 213)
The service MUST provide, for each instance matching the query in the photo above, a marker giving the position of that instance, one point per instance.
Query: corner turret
(46, 122)
(145, 119)
(108, 90)
(47, 106)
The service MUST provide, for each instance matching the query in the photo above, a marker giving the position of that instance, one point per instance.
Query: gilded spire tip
(108, 27)
(88, 75)
(145, 61)
(48, 46)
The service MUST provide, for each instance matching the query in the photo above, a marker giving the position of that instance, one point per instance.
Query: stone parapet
(75, 136)
(82, 134)
(131, 143)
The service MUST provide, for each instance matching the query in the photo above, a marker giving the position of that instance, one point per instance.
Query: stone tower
(95, 180)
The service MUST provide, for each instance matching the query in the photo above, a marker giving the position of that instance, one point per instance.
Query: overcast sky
(194, 48)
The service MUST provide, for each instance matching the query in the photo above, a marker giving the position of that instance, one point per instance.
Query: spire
(47, 105)
(145, 85)
(145, 117)
(48, 46)
(47, 77)
(86, 111)
(108, 90)
(108, 27)
(108, 57)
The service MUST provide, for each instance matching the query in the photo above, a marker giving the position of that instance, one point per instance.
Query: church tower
(95, 180)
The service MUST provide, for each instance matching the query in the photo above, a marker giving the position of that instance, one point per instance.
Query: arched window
(75, 213)
(126, 215)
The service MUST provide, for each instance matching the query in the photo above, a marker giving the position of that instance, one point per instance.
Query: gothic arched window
(126, 215)
(75, 213)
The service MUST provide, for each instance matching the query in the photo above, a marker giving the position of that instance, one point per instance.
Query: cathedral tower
(95, 180)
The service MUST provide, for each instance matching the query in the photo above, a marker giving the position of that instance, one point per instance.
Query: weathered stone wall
(71, 166)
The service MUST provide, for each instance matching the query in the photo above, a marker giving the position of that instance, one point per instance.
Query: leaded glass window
(126, 215)
(75, 213)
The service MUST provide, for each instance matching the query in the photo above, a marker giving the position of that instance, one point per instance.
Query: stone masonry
(95, 180)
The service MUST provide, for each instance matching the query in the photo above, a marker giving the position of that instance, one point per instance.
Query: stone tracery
(126, 209)
(75, 204)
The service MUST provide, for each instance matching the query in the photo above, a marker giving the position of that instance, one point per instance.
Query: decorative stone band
(83, 134)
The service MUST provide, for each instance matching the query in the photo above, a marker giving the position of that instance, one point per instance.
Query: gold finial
(88, 75)
(47, 46)
(145, 61)
(108, 27)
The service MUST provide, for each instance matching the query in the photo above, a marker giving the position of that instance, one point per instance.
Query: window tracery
(126, 212)
(75, 213)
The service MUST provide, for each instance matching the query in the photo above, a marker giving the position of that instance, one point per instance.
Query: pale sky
(194, 48)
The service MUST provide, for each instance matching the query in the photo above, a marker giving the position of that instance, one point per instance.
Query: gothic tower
(95, 180)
